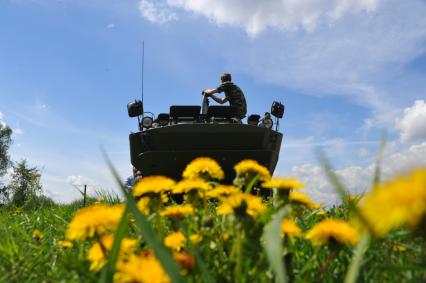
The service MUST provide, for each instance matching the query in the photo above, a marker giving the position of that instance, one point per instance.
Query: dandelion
(152, 185)
(399, 248)
(282, 184)
(195, 239)
(248, 169)
(302, 199)
(178, 211)
(290, 229)
(143, 205)
(334, 230)
(97, 254)
(175, 241)
(142, 268)
(65, 244)
(205, 168)
(401, 201)
(94, 220)
(185, 260)
(222, 191)
(188, 185)
(321, 213)
(251, 205)
(37, 234)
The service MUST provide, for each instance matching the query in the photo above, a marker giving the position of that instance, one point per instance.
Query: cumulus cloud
(412, 125)
(2, 123)
(156, 11)
(80, 181)
(352, 48)
(255, 16)
(358, 179)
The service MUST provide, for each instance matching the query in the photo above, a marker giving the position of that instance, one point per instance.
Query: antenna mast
(143, 61)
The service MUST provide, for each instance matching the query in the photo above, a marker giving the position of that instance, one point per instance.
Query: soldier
(233, 94)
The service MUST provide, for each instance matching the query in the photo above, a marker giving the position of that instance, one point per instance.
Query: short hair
(226, 77)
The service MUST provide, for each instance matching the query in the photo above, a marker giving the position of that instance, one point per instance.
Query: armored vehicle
(164, 145)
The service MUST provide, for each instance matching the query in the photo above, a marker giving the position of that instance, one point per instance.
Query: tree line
(24, 183)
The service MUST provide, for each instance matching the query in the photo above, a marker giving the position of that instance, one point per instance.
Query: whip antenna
(143, 61)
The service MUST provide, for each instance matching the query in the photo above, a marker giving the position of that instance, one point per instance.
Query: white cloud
(363, 55)
(110, 26)
(255, 16)
(412, 125)
(80, 181)
(358, 179)
(363, 152)
(18, 131)
(2, 123)
(156, 11)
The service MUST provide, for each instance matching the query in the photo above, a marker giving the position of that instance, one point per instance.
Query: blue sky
(346, 71)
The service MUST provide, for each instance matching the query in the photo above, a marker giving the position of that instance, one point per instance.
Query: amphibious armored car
(165, 144)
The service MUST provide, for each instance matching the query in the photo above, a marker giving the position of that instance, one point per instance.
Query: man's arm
(211, 92)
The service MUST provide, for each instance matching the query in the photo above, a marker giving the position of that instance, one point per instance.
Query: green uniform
(235, 97)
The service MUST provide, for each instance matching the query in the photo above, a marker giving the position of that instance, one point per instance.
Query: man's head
(226, 77)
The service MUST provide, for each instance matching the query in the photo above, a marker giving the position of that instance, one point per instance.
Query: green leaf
(354, 267)
(108, 272)
(272, 244)
(150, 236)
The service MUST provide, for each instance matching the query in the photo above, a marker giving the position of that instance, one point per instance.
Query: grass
(244, 245)
(24, 258)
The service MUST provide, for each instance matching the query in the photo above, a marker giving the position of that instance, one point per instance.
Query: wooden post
(84, 196)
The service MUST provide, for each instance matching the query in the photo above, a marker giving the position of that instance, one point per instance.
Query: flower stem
(355, 265)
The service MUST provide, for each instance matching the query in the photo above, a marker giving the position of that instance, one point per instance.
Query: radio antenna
(143, 61)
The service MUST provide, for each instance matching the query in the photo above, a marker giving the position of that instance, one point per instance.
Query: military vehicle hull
(168, 150)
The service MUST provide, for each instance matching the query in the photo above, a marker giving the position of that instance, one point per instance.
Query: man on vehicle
(233, 94)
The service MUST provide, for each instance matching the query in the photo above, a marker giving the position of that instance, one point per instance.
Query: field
(218, 236)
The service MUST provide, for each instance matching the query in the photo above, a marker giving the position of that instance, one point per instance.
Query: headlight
(267, 123)
(147, 122)
(253, 119)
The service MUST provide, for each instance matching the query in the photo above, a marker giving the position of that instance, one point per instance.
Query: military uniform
(235, 97)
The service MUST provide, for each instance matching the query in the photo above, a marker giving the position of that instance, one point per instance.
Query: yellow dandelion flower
(333, 229)
(143, 205)
(142, 268)
(303, 199)
(226, 237)
(281, 183)
(178, 211)
(187, 185)
(195, 239)
(98, 219)
(222, 191)
(185, 260)
(401, 201)
(153, 184)
(290, 229)
(37, 234)
(175, 241)
(399, 248)
(254, 205)
(97, 253)
(203, 167)
(65, 244)
(321, 213)
(249, 167)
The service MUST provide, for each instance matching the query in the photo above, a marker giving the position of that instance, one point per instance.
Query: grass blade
(153, 240)
(271, 236)
(354, 267)
(108, 272)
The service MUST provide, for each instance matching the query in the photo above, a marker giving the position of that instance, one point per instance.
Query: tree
(25, 183)
(5, 142)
